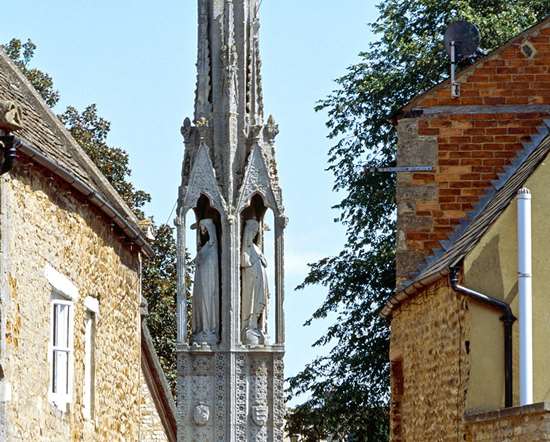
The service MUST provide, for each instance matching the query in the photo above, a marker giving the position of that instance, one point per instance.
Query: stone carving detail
(11, 118)
(271, 130)
(202, 393)
(259, 414)
(257, 180)
(201, 415)
(203, 181)
(254, 86)
(206, 291)
(203, 106)
(182, 394)
(255, 289)
(259, 410)
(279, 408)
(229, 60)
(227, 391)
(241, 394)
(220, 409)
(187, 131)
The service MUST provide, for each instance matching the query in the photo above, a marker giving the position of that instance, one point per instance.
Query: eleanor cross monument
(230, 361)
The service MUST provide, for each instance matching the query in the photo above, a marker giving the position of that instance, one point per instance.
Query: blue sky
(136, 60)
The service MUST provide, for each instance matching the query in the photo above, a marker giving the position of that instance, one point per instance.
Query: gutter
(133, 233)
(507, 319)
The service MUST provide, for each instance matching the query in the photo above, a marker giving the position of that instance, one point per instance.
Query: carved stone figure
(230, 160)
(201, 415)
(206, 293)
(255, 290)
(10, 116)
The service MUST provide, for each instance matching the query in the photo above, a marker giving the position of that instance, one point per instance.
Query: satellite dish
(465, 37)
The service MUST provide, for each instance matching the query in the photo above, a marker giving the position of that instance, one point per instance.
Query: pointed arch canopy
(257, 181)
(202, 181)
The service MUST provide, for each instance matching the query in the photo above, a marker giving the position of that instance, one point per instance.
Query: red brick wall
(473, 145)
(472, 150)
(505, 77)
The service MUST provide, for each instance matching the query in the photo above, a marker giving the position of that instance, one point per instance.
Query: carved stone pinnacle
(271, 129)
(187, 130)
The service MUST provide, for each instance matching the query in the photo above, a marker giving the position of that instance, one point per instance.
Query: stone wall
(519, 424)
(428, 348)
(44, 222)
(152, 429)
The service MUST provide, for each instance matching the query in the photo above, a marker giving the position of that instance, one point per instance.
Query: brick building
(455, 340)
(76, 361)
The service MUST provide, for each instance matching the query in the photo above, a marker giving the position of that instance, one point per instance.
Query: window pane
(60, 372)
(61, 326)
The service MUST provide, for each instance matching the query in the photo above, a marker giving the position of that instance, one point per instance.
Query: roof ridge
(534, 28)
(80, 156)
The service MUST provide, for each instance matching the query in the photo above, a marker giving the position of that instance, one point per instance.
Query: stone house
(76, 359)
(466, 362)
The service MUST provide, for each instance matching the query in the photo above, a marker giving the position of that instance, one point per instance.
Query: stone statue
(206, 293)
(255, 290)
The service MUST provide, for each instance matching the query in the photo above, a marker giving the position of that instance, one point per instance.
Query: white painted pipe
(525, 298)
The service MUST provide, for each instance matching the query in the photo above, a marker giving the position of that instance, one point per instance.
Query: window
(64, 294)
(92, 312)
(61, 352)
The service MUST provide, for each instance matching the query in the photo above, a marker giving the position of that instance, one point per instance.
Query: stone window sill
(474, 416)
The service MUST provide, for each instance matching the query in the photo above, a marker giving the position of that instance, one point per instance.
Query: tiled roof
(45, 136)
(467, 235)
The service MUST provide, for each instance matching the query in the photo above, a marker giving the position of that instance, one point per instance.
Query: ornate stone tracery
(230, 388)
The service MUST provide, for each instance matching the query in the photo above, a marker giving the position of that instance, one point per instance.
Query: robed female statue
(255, 290)
(206, 293)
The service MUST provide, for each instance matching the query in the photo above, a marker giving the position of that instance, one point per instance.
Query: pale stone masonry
(71, 346)
(230, 370)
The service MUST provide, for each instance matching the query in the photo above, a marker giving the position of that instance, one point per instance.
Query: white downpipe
(525, 298)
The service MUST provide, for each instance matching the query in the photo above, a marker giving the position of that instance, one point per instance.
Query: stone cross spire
(229, 97)
(230, 364)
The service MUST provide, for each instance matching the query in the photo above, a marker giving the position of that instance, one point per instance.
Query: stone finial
(202, 125)
(254, 133)
(271, 130)
(187, 130)
(11, 118)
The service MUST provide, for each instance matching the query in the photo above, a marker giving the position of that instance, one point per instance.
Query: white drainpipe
(525, 298)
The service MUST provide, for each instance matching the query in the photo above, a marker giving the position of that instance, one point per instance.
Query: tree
(348, 390)
(22, 54)
(91, 132)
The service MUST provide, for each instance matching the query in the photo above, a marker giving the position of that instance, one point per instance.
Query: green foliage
(91, 132)
(348, 390)
(21, 54)
(159, 288)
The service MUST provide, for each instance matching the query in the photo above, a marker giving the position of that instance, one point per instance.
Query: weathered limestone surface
(230, 384)
(430, 405)
(152, 429)
(43, 222)
(518, 424)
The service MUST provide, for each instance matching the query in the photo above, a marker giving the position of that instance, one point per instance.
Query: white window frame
(64, 292)
(90, 331)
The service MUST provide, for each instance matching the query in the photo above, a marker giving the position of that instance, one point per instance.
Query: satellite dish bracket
(455, 85)
(461, 40)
